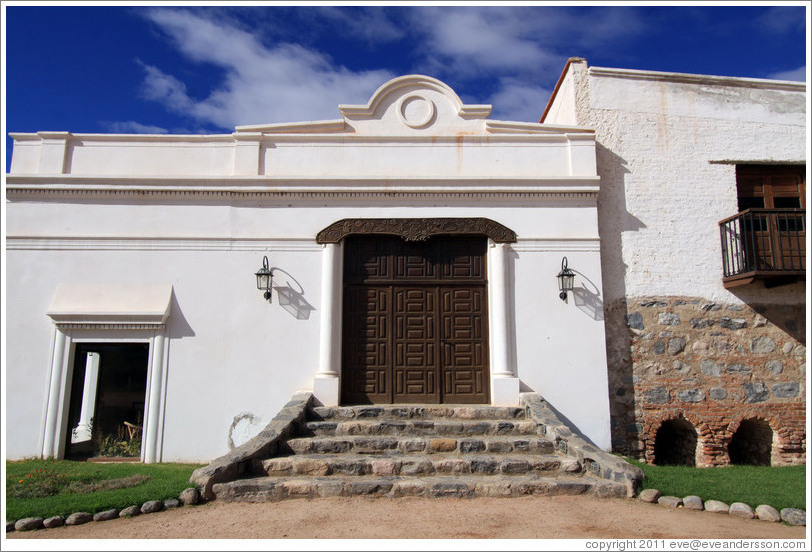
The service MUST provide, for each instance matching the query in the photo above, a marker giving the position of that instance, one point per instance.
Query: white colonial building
(414, 247)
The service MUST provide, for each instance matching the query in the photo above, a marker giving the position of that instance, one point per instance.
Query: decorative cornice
(107, 243)
(66, 326)
(251, 187)
(417, 229)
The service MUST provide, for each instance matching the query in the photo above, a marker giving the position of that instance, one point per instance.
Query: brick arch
(654, 422)
(781, 433)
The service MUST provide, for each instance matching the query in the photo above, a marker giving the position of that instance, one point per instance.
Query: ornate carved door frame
(326, 384)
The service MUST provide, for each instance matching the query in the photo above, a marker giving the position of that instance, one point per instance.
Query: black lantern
(566, 278)
(264, 277)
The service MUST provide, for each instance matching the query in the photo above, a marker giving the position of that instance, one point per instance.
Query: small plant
(125, 442)
(39, 483)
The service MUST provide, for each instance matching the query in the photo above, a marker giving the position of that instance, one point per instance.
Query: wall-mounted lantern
(566, 279)
(264, 279)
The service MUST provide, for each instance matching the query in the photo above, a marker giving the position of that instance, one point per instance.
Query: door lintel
(416, 229)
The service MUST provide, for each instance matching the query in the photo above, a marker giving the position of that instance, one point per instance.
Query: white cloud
(370, 23)
(505, 55)
(798, 74)
(133, 127)
(471, 41)
(519, 101)
(262, 84)
(782, 19)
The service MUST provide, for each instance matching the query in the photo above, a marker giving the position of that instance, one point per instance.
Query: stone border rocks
(601, 464)
(763, 512)
(237, 462)
(188, 497)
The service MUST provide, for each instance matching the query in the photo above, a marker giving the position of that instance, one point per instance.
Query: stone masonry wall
(711, 364)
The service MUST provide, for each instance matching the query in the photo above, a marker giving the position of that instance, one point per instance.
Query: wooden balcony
(764, 244)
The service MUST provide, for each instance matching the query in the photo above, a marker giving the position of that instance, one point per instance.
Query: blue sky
(183, 69)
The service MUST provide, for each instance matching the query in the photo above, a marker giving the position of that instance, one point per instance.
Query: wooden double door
(415, 321)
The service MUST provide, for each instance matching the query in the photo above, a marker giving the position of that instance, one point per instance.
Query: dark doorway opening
(108, 391)
(751, 444)
(675, 443)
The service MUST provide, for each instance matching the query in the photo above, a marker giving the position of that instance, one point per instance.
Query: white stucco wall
(199, 213)
(667, 149)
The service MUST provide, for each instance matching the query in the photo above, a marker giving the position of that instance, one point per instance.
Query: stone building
(702, 225)
(415, 248)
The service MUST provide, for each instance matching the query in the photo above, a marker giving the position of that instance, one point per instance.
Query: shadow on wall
(783, 312)
(510, 278)
(588, 297)
(613, 220)
(177, 327)
(292, 298)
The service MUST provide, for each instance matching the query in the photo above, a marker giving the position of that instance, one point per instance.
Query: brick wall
(711, 364)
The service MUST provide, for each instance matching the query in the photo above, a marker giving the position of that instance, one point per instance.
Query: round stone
(693, 502)
(717, 507)
(55, 521)
(794, 516)
(79, 518)
(670, 501)
(28, 524)
(765, 512)
(741, 510)
(130, 511)
(189, 496)
(649, 495)
(152, 506)
(105, 515)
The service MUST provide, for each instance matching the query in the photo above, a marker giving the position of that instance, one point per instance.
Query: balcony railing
(764, 244)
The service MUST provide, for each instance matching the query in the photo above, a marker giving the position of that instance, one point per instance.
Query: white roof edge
(697, 79)
(535, 128)
(301, 126)
(21, 136)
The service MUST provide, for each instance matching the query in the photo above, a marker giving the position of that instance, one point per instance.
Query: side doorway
(107, 397)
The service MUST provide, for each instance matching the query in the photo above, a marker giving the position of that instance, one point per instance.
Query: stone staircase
(413, 450)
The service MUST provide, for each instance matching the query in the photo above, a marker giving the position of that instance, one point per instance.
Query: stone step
(407, 411)
(272, 489)
(425, 427)
(417, 464)
(510, 444)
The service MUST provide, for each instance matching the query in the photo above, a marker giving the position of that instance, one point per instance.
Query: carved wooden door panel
(415, 321)
(414, 345)
(367, 337)
(464, 347)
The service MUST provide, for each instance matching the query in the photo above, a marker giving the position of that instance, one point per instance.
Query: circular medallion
(416, 111)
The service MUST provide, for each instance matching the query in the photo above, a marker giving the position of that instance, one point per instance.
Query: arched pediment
(417, 229)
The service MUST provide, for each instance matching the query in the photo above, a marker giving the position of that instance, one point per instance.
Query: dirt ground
(556, 517)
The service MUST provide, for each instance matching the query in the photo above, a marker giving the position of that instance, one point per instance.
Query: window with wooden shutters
(766, 239)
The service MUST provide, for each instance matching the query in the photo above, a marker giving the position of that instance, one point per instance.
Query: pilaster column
(83, 430)
(55, 391)
(505, 384)
(325, 385)
(53, 155)
(152, 419)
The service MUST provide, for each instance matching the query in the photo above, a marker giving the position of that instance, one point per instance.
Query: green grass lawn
(780, 487)
(44, 488)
